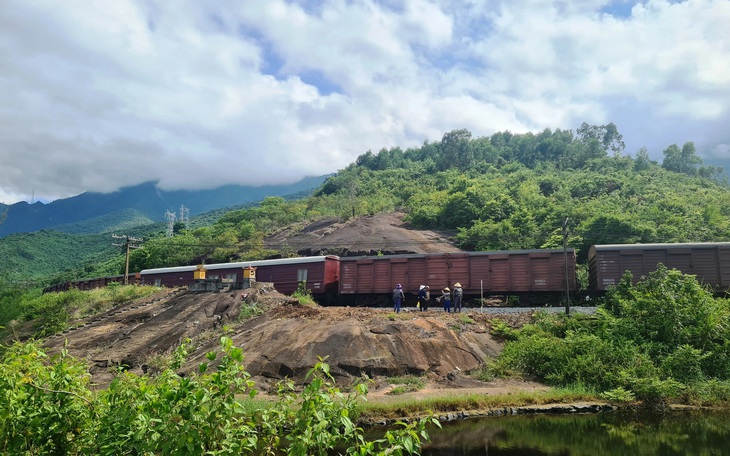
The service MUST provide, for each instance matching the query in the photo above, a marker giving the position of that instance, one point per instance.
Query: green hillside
(122, 220)
(506, 191)
(501, 192)
(36, 257)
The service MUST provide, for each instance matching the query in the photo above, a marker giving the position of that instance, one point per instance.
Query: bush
(500, 329)
(657, 340)
(684, 365)
(48, 408)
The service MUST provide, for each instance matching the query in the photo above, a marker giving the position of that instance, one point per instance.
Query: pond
(615, 433)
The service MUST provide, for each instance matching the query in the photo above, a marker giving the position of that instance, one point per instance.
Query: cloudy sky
(96, 95)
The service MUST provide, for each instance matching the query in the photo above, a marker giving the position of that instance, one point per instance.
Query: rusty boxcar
(708, 261)
(320, 274)
(532, 275)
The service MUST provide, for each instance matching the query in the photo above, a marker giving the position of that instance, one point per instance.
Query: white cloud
(98, 95)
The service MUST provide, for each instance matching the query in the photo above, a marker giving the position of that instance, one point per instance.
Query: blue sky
(96, 95)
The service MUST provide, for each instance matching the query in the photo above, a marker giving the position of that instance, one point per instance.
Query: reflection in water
(676, 433)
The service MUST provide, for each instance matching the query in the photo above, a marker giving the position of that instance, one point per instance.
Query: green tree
(683, 160)
(642, 162)
(456, 150)
(607, 136)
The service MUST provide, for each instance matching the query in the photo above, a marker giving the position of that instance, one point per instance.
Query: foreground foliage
(666, 338)
(49, 408)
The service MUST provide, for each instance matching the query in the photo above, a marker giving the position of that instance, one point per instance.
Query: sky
(193, 94)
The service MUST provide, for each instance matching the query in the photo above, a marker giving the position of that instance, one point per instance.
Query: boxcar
(532, 274)
(708, 261)
(320, 274)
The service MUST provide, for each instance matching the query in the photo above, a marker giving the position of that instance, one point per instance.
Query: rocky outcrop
(375, 345)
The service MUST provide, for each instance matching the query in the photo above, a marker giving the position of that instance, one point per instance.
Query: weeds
(454, 402)
(500, 329)
(406, 384)
(484, 373)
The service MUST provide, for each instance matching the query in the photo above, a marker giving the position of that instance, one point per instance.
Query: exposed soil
(385, 233)
(286, 339)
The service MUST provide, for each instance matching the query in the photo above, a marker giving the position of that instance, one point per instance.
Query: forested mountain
(133, 206)
(86, 248)
(506, 191)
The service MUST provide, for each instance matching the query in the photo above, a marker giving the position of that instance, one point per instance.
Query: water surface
(616, 433)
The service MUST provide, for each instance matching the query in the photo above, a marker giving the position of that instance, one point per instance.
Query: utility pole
(128, 240)
(567, 273)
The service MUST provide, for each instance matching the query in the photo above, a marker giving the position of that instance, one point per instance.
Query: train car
(708, 261)
(320, 274)
(176, 276)
(531, 275)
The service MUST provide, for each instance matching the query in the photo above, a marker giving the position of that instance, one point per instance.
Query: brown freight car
(532, 275)
(709, 261)
(319, 274)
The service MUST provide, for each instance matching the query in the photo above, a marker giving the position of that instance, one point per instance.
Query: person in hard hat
(456, 297)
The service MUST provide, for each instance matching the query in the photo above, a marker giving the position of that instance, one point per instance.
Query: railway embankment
(282, 338)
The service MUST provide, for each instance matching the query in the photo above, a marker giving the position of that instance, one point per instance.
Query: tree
(456, 151)
(683, 161)
(713, 173)
(607, 136)
(642, 162)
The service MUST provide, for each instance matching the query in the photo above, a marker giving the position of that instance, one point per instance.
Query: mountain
(138, 205)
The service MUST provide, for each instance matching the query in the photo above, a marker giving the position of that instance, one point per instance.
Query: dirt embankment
(287, 339)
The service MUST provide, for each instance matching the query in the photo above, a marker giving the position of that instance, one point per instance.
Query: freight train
(527, 276)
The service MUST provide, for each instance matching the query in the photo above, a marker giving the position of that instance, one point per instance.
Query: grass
(248, 311)
(304, 296)
(54, 312)
(484, 373)
(393, 408)
(406, 384)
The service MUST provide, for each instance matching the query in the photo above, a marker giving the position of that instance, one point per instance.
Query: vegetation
(394, 407)
(502, 192)
(406, 384)
(48, 408)
(53, 312)
(505, 191)
(665, 339)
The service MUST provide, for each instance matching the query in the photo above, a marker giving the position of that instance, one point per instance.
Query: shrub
(619, 395)
(48, 408)
(406, 384)
(499, 328)
(684, 365)
(657, 340)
